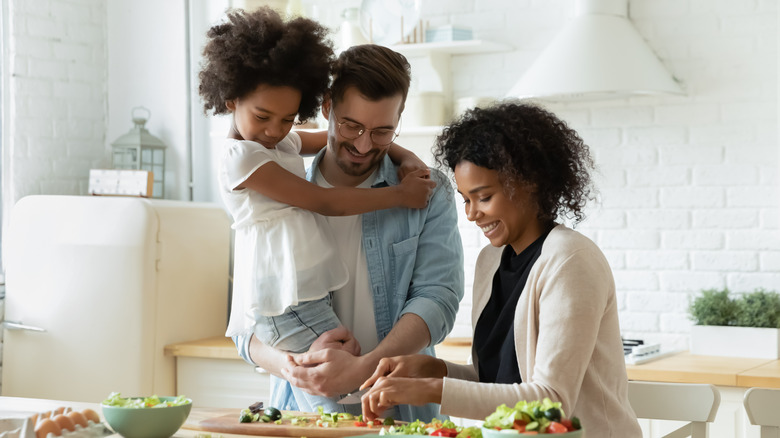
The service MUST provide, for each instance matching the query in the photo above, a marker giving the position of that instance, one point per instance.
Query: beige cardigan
(567, 340)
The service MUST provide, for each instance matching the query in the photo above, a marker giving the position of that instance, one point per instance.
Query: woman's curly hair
(258, 47)
(525, 144)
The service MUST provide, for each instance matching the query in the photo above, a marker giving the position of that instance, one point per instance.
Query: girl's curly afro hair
(258, 47)
(528, 145)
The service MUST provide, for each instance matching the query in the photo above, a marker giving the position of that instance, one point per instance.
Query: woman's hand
(412, 365)
(416, 188)
(339, 338)
(391, 391)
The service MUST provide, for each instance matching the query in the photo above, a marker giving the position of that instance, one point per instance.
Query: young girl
(266, 71)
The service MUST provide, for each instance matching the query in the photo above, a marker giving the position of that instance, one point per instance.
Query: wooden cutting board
(228, 424)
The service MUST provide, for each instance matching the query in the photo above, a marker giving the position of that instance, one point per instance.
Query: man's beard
(358, 169)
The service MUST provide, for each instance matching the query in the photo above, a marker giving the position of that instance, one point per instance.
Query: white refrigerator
(96, 287)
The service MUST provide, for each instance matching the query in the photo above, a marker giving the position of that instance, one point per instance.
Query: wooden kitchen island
(731, 375)
(721, 371)
(217, 358)
(679, 368)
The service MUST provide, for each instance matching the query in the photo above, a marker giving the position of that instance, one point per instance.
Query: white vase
(350, 33)
(714, 340)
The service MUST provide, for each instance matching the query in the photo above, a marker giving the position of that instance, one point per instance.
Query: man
(405, 265)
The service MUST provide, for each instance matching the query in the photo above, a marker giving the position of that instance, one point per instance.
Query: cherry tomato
(445, 431)
(360, 424)
(556, 427)
(569, 426)
(377, 422)
(519, 425)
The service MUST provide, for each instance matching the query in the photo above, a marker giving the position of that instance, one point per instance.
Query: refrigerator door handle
(13, 325)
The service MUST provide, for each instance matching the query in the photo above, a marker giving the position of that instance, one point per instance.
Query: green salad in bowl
(145, 417)
(531, 418)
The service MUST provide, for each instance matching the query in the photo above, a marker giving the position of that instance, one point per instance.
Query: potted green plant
(738, 325)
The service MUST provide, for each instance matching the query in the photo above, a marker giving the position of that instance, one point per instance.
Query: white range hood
(598, 55)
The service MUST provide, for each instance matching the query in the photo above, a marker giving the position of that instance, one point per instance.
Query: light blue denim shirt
(415, 264)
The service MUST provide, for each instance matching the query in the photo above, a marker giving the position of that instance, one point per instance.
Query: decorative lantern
(140, 150)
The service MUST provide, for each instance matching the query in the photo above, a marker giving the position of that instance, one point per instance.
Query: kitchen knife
(353, 398)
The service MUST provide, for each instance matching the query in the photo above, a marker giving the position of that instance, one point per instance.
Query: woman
(544, 308)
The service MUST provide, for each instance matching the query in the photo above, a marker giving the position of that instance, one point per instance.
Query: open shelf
(432, 73)
(451, 47)
(421, 130)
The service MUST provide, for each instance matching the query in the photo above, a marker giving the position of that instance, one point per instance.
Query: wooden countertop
(725, 371)
(679, 368)
(456, 350)
(219, 347)
(763, 376)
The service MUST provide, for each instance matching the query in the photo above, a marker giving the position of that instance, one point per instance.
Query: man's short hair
(376, 71)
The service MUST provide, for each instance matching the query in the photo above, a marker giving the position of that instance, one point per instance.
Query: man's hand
(327, 372)
(339, 338)
(332, 371)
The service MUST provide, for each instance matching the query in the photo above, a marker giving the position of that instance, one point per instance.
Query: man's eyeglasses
(379, 136)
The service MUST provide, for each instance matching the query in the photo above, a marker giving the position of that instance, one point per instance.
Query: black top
(494, 333)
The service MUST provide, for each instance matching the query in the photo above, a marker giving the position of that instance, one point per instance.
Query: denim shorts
(299, 325)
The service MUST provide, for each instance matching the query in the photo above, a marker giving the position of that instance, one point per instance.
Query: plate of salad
(436, 427)
(531, 418)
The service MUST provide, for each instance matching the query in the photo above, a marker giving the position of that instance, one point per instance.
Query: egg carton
(24, 427)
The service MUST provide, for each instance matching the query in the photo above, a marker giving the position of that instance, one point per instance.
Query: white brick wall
(56, 95)
(689, 194)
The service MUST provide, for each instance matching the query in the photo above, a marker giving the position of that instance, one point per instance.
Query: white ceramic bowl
(160, 422)
(493, 433)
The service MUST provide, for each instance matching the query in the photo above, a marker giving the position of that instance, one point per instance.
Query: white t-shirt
(354, 302)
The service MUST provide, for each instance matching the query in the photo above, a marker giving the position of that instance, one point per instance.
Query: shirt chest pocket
(404, 256)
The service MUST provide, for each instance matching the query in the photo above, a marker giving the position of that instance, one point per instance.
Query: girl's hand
(391, 391)
(410, 163)
(416, 188)
(339, 338)
(412, 365)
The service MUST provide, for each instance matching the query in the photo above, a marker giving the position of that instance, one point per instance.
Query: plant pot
(714, 340)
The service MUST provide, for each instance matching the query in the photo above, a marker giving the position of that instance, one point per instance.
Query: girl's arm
(407, 161)
(312, 141)
(273, 181)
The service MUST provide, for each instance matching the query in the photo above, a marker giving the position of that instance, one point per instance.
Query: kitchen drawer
(220, 383)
